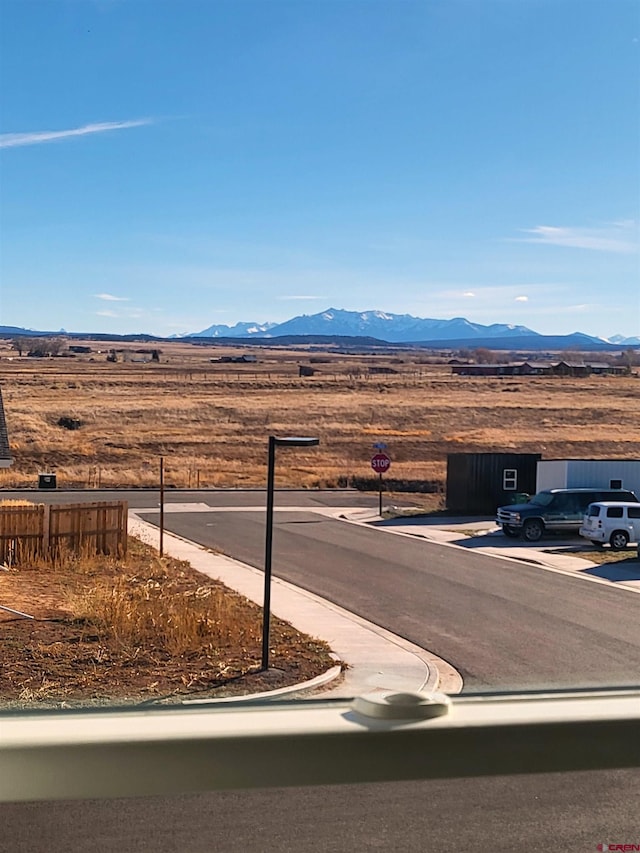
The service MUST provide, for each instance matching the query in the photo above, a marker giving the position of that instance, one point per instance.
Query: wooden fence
(44, 530)
(21, 533)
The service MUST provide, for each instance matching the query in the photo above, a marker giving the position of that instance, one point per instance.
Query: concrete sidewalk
(376, 659)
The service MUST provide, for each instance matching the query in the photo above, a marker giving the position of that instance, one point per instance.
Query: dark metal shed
(478, 483)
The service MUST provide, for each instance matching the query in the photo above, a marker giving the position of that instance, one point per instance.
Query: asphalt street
(212, 497)
(560, 812)
(502, 624)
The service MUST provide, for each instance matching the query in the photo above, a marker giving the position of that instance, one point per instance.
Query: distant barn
(235, 359)
(538, 368)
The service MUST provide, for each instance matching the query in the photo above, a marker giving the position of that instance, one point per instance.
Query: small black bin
(47, 481)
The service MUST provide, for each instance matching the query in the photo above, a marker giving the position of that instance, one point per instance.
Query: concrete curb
(304, 686)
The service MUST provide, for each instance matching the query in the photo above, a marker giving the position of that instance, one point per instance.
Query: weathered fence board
(45, 530)
(21, 533)
(99, 527)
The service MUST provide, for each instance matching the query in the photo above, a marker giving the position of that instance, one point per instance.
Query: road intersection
(542, 619)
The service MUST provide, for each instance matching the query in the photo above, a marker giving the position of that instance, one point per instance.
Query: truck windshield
(542, 498)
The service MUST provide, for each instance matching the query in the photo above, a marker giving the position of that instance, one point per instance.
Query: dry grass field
(138, 628)
(210, 420)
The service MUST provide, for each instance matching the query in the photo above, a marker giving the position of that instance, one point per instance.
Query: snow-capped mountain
(395, 328)
(240, 330)
(620, 340)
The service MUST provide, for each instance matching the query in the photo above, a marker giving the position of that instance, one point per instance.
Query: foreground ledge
(134, 752)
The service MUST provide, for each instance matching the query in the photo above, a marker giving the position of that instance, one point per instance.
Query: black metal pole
(161, 506)
(380, 493)
(268, 547)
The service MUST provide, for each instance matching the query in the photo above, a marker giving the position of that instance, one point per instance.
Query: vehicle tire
(533, 530)
(510, 531)
(619, 540)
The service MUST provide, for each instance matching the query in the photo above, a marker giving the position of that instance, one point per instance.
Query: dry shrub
(139, 612)
(139, 626)
(64, 560)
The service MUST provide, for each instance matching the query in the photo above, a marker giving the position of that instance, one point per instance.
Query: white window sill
(134, 752)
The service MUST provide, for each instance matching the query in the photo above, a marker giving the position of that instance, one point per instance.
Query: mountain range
(405, 328)
(372, 328)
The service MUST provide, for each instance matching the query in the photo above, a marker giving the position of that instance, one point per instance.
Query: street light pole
(292, 441)
(268, 548)
(161, 506)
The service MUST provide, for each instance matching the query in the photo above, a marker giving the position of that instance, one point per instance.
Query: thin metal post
(380, 493)
(161, 506)
(16, 612)
(266, 607)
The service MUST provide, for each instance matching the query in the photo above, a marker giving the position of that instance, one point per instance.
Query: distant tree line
(630, 357)
(39, 347)
(482, 355)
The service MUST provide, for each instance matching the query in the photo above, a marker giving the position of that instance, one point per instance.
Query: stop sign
(380, 463)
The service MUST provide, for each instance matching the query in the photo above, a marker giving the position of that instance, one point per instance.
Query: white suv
(615, 522)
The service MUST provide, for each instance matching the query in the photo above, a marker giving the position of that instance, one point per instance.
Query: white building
(588, 473)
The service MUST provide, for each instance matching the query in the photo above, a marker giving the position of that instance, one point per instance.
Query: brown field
(210, 421)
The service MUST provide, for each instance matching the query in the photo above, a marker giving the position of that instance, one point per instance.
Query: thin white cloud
(300, 298)
(579, 308)
(491, 294)
(125, 313)
(622, 237)
(15, 140)
(521, 299)
(108, 297)
(571, 309)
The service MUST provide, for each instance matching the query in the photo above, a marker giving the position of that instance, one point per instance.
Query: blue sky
(169, 165)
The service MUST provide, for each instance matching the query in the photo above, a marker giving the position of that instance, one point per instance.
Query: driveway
(559, 552)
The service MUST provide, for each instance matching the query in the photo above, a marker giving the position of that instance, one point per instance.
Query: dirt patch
(138, 629)
(605, 555)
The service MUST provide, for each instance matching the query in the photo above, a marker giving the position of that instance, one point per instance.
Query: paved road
(212, 497)
(559, 812)
(501, 624)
